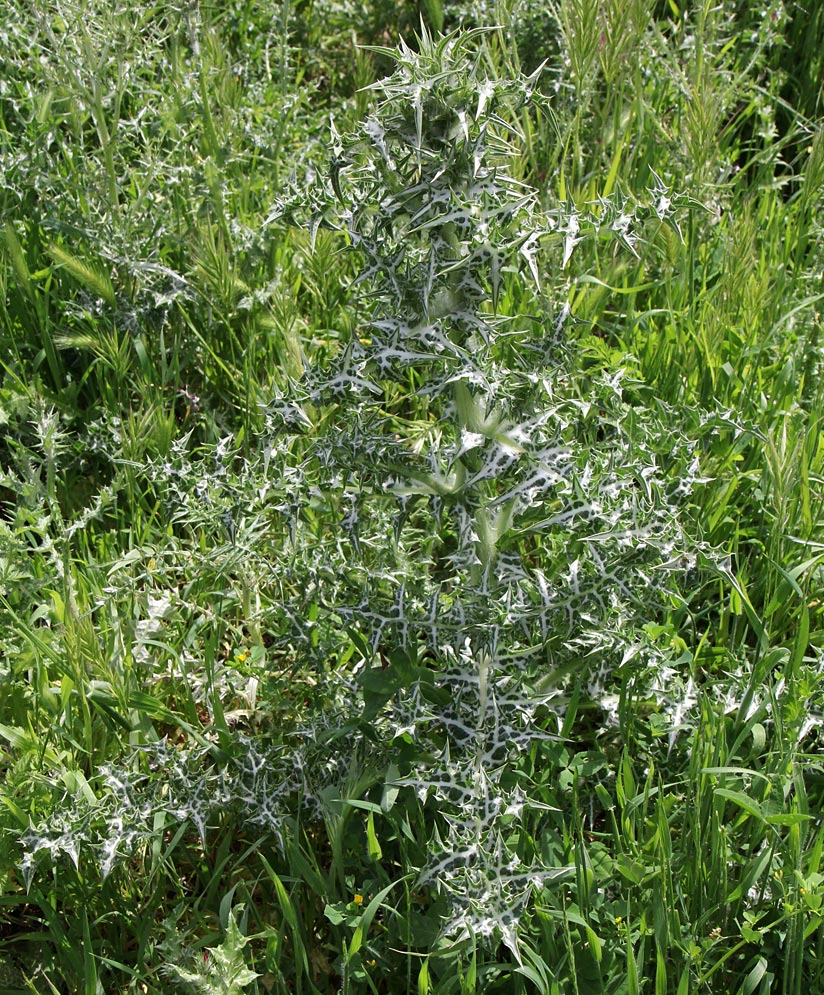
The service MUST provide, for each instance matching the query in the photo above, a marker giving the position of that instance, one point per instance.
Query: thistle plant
(491, 536)
(468, 533)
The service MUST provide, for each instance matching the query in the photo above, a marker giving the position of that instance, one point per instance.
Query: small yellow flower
(358, 899)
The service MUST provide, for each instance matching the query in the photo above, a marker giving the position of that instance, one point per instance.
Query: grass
(411, 531)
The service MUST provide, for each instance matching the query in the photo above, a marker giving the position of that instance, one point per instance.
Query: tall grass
(410, 531)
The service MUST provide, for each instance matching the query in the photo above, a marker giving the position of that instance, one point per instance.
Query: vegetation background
(411, 529)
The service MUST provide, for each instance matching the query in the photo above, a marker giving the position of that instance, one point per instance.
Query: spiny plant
(497, 528)
(473, 531)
